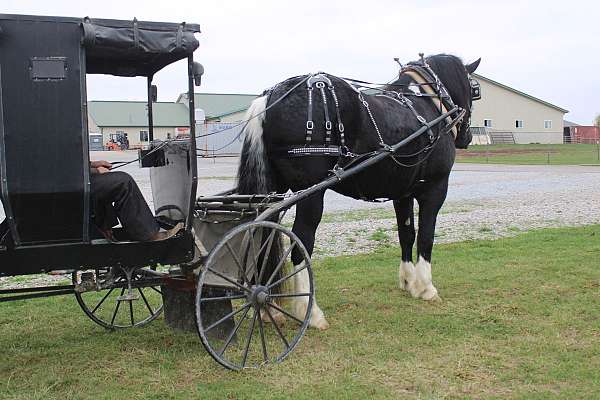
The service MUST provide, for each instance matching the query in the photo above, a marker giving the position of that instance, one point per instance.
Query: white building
(505, 112)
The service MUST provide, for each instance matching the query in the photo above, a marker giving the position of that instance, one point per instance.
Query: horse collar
(440, 98)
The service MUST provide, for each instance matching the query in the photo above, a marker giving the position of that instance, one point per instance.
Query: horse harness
(423, 76)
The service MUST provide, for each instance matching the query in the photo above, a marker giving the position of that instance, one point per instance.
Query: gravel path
(484, 202)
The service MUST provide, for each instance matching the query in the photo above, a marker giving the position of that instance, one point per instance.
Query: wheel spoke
(225, 318)
(228, 279)
(232, 297)
(156, 290)
(255, 258)
(237, 262)
(280, 264)
(112, 321)
(287, 345)
(281, 310)
(102, 301)
(269, 244)
(288, 276)
(146, 301)
(250, 334)
(131, 312)
(278, 295)
(261, 328)
(233, 332)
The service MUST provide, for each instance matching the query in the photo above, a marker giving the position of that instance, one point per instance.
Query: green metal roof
(217, 105)
(134, 113)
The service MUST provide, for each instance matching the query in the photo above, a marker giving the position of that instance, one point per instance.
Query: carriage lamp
(197, 72)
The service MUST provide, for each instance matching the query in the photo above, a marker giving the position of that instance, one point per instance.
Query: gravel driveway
(484, 202)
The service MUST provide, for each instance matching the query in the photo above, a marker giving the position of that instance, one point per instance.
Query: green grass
(520, 319)
(572, 154)
(380, 235)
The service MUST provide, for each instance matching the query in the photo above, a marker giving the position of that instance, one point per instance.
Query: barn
(507, 115)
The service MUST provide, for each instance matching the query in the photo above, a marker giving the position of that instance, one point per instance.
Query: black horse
(277, 132)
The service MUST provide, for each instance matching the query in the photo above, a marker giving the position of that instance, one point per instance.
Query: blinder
(475, 89)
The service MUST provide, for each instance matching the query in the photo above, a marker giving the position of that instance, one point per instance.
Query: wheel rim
(249, 330)
(104, 308)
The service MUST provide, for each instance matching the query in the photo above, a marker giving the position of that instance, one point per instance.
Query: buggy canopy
(135, 48)
(126, 48)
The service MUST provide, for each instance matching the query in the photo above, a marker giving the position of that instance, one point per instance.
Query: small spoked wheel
(106, 297)
(253, 304)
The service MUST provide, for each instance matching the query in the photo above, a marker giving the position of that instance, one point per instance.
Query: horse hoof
(431, 294)
(321, 324)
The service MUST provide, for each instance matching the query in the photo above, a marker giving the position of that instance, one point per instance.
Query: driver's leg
(119, 189)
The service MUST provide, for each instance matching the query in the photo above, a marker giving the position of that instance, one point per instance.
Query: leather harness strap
(437, 100)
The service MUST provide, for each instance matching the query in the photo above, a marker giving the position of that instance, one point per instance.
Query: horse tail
(254, 172)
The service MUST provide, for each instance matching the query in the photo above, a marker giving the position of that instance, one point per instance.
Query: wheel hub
(259, 295)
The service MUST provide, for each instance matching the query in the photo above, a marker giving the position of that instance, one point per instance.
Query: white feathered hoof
(300, 304)
(317, 318)
(422, 286)
(406, 275)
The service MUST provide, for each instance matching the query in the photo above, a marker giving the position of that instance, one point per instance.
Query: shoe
(164, 235)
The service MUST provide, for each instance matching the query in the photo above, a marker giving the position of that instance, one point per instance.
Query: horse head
(456, 77)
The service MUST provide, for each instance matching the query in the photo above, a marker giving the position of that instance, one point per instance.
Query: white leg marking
(407, 274)
(422, 287)
(300, 304)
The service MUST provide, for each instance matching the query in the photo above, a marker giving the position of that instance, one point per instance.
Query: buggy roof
(126, 48)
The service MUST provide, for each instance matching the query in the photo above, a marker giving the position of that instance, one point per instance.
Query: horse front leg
(430, 202)
(405, 219)
(308, 217)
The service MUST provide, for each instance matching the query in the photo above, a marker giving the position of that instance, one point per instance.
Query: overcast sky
(548, 49)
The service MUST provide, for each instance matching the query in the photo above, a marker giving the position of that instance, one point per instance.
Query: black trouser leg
(117, 193)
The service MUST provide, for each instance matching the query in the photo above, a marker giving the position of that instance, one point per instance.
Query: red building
(581, 134)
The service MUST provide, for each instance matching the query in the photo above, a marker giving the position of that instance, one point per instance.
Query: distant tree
(597, 121)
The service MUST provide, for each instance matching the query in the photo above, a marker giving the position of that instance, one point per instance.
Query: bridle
(428, 81)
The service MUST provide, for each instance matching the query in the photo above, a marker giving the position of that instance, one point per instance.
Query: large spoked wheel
(264, 300)
(104, 296)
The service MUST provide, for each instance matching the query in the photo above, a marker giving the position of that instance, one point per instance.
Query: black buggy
(213, 273)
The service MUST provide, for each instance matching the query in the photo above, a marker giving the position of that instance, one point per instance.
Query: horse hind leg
(406, 236)
(300, 304)
(308, 217)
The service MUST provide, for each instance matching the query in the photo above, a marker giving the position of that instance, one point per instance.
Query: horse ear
(473, 66)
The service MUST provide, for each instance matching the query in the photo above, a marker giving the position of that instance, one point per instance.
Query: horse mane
(451, 71)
